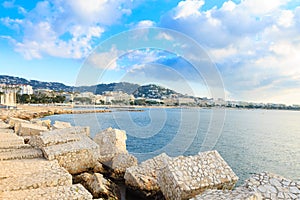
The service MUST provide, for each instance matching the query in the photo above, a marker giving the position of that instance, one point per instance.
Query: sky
(245, 50)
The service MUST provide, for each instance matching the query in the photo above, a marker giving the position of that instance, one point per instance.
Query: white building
(117, 96)
(185, 100)
(25, 89)
(8, 95)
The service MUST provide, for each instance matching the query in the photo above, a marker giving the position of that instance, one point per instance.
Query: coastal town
(11, 95)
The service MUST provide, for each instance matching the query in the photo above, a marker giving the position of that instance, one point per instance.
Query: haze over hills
(147, 91)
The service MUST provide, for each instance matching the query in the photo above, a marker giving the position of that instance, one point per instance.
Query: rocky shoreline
(28, 112)
(43, 161)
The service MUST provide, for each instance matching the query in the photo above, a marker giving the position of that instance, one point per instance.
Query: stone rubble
(143, 178)
(185, 177)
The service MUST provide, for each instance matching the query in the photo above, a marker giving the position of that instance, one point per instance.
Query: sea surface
(250, 141)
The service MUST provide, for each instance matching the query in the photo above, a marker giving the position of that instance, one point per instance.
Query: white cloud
(286, 18)
(105, 60)
(145, 24)
(255, 43)
(186, 9)
(223, 53)
(164, 36)
(258, 7)
(229, 6)
(65, 28)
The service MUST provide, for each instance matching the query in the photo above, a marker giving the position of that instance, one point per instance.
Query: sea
(250, 141)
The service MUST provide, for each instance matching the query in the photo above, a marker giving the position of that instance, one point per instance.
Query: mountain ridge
(147, 91)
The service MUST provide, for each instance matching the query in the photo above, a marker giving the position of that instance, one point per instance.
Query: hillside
(153, 92)
(35, 84)
(148, 91)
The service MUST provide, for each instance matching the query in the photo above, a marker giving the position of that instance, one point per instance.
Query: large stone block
(186, 177)
(13, 121)
(32, 173)
(272, 186)
(238, 193)
(75, 157)
(61, 125)
(143, 178)
(26, 129)
(116, 168)
(10, 140)
(23, 152)
(59, 136)
(77, 192)
(46, 123)
(111, 142)
(121, 162)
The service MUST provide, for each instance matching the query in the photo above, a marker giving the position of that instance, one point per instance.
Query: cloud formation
(254, 43)
(64, 28)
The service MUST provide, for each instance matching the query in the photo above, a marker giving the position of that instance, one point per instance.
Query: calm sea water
(250, 141)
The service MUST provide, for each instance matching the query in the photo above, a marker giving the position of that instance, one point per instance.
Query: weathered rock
(186, 177)
(111, 142)
(13, 121)
(46, 123)
(143, 178)
(20, 153)
(59, 136)
(120, 163)
(49, 193)
(4, 125)
(61, 125)
(6, 131)
(10, 140)
(70, 146)
(76, 157)
(272, 186)
(98, 186)
(26, 129)
(32, 173)
(239, 193)
(99, 168)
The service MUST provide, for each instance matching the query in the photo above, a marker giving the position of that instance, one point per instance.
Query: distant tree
(24, 98)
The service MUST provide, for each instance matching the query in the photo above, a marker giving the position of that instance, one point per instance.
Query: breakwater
(81, 171)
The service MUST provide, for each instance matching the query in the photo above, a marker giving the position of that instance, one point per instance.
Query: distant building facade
(8, 95)
(25, 89)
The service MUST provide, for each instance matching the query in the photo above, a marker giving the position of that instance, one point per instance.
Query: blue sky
(253, 44)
